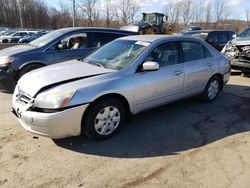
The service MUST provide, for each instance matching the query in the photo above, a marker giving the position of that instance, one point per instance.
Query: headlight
(54, 101)
(231, 48)
(5, 60)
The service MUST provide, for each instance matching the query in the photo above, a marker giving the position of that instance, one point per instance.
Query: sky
(239, 6)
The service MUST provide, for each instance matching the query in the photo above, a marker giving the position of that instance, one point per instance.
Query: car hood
(241, 41)
(44, 78)
(15, 50)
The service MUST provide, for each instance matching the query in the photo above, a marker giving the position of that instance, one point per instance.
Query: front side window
(166, 54)
(192, 51)
(71, 42)
(118, 54)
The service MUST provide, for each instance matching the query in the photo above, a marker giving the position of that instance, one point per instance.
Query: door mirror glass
(150, 66)
(234, 36)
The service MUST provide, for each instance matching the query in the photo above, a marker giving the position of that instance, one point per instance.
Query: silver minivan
(126, 76)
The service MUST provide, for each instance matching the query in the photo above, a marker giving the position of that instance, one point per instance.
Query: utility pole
(20, 13)
(74, 12)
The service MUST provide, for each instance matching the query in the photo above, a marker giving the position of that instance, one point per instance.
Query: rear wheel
(29, 68)
(103, 119)
(211, 90)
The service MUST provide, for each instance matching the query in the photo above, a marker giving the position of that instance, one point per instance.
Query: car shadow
(171, 129)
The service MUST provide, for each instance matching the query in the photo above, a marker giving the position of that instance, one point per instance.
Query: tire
(29, 68)
(211, 90)
(245, 74)
(98, 123)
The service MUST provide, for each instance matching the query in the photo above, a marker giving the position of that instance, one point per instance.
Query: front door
(154, 88)
(74, 46)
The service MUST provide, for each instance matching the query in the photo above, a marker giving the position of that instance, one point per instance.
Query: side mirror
(234, 36)
(150, 66)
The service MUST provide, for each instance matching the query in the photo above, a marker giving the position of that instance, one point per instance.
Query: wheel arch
(31, 63)
(118, 96)
(220, 76)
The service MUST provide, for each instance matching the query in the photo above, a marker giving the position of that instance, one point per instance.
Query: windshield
(45, 39)
(245, 34)
(9, 33)
(150, 18)
(201, 36)
(118, 54)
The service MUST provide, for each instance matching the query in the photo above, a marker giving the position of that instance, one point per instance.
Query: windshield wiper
(97, 64)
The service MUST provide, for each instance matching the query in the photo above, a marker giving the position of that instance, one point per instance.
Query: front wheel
(103, 119)
(211, 90)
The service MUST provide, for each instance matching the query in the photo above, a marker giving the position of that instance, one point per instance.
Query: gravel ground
(184, 144)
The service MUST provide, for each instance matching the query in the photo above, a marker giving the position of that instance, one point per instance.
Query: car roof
(153, 38)
(71, 29)
(207, 31)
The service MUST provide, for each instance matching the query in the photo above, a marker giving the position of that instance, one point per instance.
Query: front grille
(243, 48)
(23, 97)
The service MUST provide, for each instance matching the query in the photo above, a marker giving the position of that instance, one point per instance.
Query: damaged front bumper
(239, 55)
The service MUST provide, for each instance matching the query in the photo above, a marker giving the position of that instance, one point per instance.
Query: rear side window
(222, 37)
(207, 52)
(212, 37)
(98, 39)
(192, 51)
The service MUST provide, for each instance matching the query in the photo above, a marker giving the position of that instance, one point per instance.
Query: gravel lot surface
(184, 144)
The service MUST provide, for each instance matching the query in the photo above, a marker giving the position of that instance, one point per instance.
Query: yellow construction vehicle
(151, 23)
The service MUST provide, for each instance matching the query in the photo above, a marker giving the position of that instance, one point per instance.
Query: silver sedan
(126, 76)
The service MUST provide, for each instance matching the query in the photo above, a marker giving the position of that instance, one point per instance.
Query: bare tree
(108, 7)
(134, 8)
(127, 10)
(186, 13)
(219, 7)
(208, 14)
(88, 6)
(199, 11)
(173, 11)
(248, 17)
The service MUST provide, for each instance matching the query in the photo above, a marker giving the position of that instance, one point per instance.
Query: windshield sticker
(143, 43)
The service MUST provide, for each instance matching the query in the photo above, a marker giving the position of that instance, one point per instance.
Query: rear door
(198, 67)
(154, 88)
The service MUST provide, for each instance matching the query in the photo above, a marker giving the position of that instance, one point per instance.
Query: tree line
(115, 13)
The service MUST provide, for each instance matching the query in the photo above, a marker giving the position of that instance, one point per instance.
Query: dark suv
(217, 39)
(57, 46)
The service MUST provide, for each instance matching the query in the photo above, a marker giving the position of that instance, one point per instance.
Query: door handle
(177, 73)
(210, 64)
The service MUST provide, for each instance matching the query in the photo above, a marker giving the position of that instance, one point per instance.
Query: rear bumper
(7, 83)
